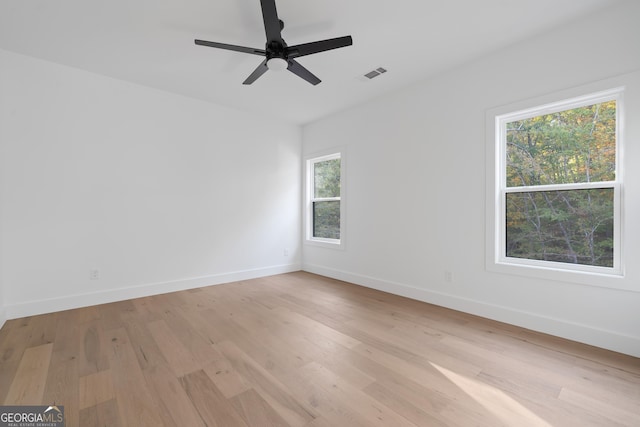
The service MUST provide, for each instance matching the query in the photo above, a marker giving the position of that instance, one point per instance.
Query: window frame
(311, 199)
(496, 258)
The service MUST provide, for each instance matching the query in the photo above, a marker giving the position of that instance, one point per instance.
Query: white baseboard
(558, 327)
(32, 308)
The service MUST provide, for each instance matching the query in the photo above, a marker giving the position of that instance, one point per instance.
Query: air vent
(375, 73)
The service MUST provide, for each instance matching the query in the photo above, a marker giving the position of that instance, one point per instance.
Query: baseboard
(558, 327)
(32, 308)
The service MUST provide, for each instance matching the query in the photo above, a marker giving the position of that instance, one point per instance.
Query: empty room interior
(411, 213)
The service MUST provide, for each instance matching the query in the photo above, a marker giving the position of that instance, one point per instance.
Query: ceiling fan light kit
(277, 64)
(279, 56)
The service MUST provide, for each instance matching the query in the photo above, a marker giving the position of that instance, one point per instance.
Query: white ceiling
(150, 42)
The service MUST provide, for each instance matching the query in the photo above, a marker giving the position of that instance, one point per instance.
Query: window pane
(572, 226)
(326, 178)
(570, 146)
(326, 219)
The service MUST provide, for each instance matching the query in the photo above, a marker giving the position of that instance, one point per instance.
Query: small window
(559, 185)
(324, 216)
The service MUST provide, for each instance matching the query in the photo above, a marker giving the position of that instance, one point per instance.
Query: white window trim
(308, 207)
(496, 260)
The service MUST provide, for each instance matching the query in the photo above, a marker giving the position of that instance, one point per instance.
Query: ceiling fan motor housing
(275, 49)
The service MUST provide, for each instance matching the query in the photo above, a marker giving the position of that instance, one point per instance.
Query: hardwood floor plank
(114, 315)
(422, 387)
(401, 406)
(209, 328)
(180, 359)
(271, 389)
(565, 414)
(314, 310)
(607, 382)
(424, 395)
(91, 357)
(338, 361)
(226, 378)
(494, 403)
(145, 347)
(135, 399)
(256, 411)
(195, 343)
(147, 310)
(410, 348)
(624, 372)
(519, 383)
(195, 321)
(14, 335)
(42, 330)
(609, 408)
(27, 387)
(309, 327)
(104, 414)
(268, 351)
(95, 389)
(213, 407)
(168, 387)
(62, 378)
(293, 349)
(403, 370)
(330, 393)
(511, 374)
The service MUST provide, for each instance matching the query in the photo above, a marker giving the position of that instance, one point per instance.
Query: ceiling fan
(278, 55)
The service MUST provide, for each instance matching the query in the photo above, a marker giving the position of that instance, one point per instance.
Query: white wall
(157, 191)
(415, 186)
(3, 310)
(3, 316)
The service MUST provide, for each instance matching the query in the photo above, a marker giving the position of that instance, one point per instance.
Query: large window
(559, 185)
(324, 210)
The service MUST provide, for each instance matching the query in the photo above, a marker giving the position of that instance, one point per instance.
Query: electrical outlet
(448, 276)
(286, 251)
(94, 274)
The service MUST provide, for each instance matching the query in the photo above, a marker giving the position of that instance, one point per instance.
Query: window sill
(326, 243)
(603, 277)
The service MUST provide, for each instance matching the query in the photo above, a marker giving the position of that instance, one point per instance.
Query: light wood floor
(302, 350)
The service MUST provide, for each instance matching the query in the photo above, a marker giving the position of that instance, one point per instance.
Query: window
(324, 208)
(558, 189)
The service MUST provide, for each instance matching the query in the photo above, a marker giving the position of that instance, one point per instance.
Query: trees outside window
(559, 184)
(324, 201)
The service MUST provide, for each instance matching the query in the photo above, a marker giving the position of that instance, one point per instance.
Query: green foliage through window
(574, 147)
(574, 226)
(325, 199)
(326, 219)
(326, 178)
(571, 146)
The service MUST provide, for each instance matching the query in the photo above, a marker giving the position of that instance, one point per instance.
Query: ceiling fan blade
(272, 24)
(300, 71)
(262, 68)
(233, 47)
(319, 46)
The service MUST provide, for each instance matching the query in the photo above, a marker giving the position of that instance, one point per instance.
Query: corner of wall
(3, 314)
